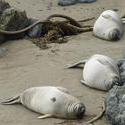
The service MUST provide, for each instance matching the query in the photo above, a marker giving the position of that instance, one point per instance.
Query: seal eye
(53, 99)
(80, 111)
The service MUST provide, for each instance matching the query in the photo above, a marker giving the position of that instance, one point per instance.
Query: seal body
(50, 101)
(100, 72)
(108, 26)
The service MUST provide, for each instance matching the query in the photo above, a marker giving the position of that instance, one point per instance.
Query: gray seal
(50, 102)
(100, 72)
(109, 26)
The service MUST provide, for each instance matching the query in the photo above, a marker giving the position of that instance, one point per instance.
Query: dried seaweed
(56, 31)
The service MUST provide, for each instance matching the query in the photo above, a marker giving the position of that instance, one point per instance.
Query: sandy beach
(26, 65)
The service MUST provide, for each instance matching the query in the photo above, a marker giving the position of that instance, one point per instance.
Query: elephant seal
(99, 72)
(108, 26)
(50, 101)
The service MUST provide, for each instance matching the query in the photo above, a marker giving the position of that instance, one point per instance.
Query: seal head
(114, 35)
(80, 110)
(116, 81)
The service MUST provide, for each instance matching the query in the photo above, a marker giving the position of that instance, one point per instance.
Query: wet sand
(25, 65)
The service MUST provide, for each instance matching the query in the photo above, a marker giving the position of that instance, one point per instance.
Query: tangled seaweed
(56, 31)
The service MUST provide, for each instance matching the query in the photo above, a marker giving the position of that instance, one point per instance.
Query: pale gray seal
(99, 72)
(108, 26)
(50, 101)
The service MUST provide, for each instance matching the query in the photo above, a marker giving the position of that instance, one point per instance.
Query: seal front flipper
(45, 116)
(84, 82)
(12, 100)
(76, 64)
(63, 90)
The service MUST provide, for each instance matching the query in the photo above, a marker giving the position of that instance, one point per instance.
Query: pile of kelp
(15, 24)
(56, 31)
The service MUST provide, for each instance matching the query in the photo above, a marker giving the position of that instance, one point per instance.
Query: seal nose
(81, 111)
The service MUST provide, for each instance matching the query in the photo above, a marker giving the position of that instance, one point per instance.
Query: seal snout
(80, 111)
(114, 35)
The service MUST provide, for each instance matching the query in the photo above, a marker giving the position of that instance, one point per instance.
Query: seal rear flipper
(45, 116)
(12, 100)
(76, 64)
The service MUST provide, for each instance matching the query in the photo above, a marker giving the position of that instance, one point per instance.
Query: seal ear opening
(114, 35)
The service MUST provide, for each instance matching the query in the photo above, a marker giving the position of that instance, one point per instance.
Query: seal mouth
(81, 111)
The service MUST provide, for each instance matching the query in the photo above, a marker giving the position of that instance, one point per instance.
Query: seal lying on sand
(99, 72)
(50, 101)
(108, 26)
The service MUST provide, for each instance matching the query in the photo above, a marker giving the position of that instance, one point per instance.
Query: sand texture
(25, 65)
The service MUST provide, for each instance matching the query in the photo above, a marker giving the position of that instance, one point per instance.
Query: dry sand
(25, 65)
